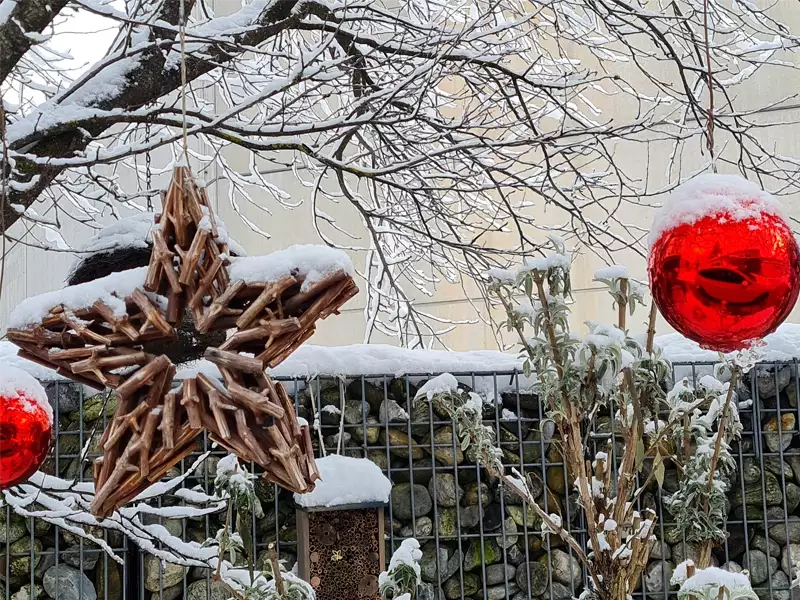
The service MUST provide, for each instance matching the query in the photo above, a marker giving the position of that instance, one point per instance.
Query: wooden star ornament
(105, 333)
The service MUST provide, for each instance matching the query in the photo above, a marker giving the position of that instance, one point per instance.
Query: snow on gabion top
(314, 262)
(346, 480)
(111, 290)
(438, 385)
(16, 383)
(707, 195)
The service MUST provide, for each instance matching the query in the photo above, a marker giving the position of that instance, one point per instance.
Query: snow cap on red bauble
(26, 421)
(724, 264)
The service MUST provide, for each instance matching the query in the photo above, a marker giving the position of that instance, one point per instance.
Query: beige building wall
(30, 270)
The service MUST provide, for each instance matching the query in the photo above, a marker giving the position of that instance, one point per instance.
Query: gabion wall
(478, 542)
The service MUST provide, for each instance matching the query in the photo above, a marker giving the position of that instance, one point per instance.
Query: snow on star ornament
(724, 267)
(26, 421)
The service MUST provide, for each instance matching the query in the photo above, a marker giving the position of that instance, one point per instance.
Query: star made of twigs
(102, 333)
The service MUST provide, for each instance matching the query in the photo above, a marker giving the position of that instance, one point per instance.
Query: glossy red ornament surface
(724, 283)
(24, 439)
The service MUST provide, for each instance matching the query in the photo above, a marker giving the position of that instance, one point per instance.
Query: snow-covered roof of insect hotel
(346, 482)
(707, 195)
(310, 262)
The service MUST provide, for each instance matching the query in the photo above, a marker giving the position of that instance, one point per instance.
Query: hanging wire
(182, 20)
(710, 76)
(148, 173)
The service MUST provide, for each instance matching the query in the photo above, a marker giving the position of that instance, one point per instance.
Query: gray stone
(401, 501)
(428, 591)
(566, 568)
(20, 564)
(751, 472)
(768, 485)
(155, 577)
(778, 442)
(443, 447)
(477, 554)
(24, 592)
(780, 588)
(422, 528)
(657, 576)
(428, 562)
(792, 497)
(510, 538)
(63, 395)
(399, 443)
(771, 546)
(420, 419)
(373, 431)
(48, 560)
(90, 554)
(775, 465)
(732, 567)
(759, 565)
(471, 516)
(768, 384)
(559, 591)
(447, 522)
(515, 555)
(171, 593)
(11, 529)
(789, 558)
(446, 492)
(65, 583)
(108, 582)
(205, 590)
(778, 532)
(660, 550)
(793, 460)
(38, 527)
(391, 412)
(500, 592)
(475, 494)
(353, 414)
(499, 574)
(532, 577)
(453, 589)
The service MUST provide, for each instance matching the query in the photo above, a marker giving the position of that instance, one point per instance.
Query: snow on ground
(111, 289)
(314, 262)
(712, 194)
(16, 383)
(346, 480)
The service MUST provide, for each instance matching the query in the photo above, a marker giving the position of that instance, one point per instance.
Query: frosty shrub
(401, 579)
(605, 371)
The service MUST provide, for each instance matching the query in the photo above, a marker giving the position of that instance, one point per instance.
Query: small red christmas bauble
(724, 265)
(26, 422)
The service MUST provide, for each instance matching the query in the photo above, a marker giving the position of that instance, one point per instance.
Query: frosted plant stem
(651, 328)
(705, 553)
(317, 416)
(623, 303)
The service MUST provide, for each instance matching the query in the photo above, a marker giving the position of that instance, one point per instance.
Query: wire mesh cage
(478, 540)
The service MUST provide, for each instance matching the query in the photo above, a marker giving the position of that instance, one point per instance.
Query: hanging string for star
(182, 30)
(710, 78)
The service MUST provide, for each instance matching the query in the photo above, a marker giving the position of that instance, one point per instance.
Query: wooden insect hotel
(340, 530)
(101, 333)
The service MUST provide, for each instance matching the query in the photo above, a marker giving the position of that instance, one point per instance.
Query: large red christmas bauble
(724, 265)
(26, 421)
